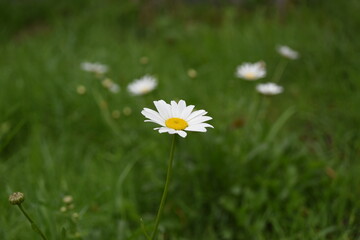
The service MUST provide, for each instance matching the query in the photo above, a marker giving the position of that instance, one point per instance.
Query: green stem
(33, 224)
(279, 70)
(163, 198)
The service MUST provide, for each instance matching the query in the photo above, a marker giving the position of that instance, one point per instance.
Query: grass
(283, 168)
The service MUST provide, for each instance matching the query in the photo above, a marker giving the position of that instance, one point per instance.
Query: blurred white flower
(287, 52)
(68, 199)
(251, 71)
(97, 68)
(269, 88)
(114, 88)
(176, 118)
(107, 82)
(143, 85)
(110, 85)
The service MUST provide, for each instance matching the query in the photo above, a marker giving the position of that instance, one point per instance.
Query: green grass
(281, 168)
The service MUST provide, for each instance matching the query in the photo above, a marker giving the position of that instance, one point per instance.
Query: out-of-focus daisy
(110, 85)
(177, 118)
(81, 89)
(114, 88)
(97, 68)
(107, 82)
(251, 71)
(143, 85)
(287, 52)
(192, 73)
(269, 88)
(68, 199)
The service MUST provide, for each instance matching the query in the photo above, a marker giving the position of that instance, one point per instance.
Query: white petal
(163, 108)
(152, 115)
(181, 133)
(174, 109)
(205, 125)
(198, 127)
(200, 119)
(196, 114)
(155, 122)
(187, 111)
(163, 129)
(172, 131)
(181, 106)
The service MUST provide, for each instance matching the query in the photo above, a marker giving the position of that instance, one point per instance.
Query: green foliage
(283, 168)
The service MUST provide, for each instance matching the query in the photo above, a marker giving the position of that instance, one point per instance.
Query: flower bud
(16, 198)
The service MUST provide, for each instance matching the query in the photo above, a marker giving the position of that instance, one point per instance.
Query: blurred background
(281, 167)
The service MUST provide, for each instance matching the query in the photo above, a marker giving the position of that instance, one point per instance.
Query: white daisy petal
(162, 108)
(172, 131)
(200, 119)
(181, 106)
(153, 116)
(174, 109)
(163, 129)
(155, 122)
(196, 114)
(187, 111)
(182, 133)
(148, 110)
(198, 127)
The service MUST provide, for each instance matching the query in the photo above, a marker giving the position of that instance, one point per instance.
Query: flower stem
(33, 224)
(279, 70)
(166, 187)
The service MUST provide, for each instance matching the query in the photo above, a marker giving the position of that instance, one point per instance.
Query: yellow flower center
(249, 75)
(176, 123)
(145, 90)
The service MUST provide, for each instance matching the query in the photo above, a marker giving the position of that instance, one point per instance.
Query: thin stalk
(279, 70)
(166, 187)
(33, 224)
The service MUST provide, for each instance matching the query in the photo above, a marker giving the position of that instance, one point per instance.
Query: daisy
(251, 71)
(94, 67)
(287, 52)
(176, 118)
(269, 88)
(143, 85)
(114, 88)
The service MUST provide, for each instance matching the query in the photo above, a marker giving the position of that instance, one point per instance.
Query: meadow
(283, 167)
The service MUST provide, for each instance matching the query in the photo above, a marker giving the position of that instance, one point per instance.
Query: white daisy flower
(269, 88)
(251, 71)
(287, 52)
(94, 67)
(143, 85)
(176, 118)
